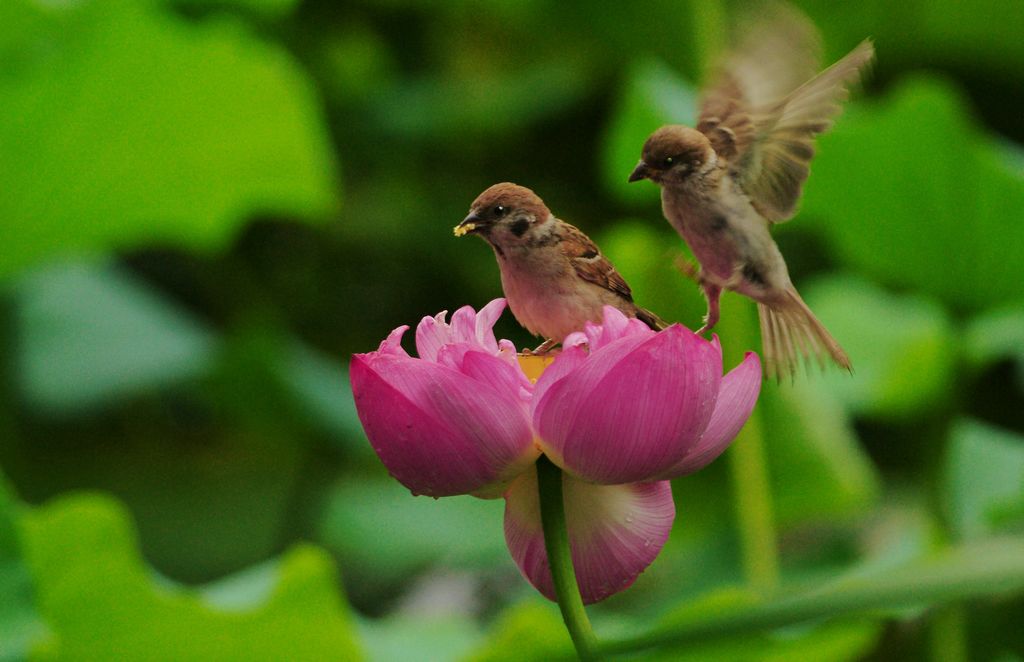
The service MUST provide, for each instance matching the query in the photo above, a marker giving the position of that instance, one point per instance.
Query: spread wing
(763, 121)
(590, 265)
(772, 57)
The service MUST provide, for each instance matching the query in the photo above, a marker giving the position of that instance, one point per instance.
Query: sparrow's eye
(499, 211)
(668, 162)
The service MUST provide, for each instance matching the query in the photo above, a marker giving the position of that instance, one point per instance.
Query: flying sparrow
(554, 277)
(725, 183)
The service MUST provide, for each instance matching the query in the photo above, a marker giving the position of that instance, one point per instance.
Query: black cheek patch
(519, 227)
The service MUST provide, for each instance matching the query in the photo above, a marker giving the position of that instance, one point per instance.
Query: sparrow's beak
(641, 171)
(468, 224)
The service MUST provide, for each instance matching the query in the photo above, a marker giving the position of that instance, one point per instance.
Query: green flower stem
(754, 512)
(748, 464)
(751, 489)
(986, 568)
(556, 542)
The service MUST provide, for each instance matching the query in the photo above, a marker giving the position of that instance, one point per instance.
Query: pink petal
(438, 431)
(615, 325)
(485, 320)
(736, 400)
(615, 532)
(567, 361)
(467, 326)
(464, 325)
(486, 367)
(431, 334)
(393, 343)
(632, 409)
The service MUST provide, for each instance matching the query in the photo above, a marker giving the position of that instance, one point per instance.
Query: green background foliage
(209, 205)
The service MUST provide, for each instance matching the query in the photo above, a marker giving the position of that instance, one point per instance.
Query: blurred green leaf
(984, 479)
(910, 192)
(129, 125)
(461, 105)
(355, 62)
(102, 602)
(818, 470)
(979, 35)
(90, 335)
(268, 8)
(21, 627)
(903, 348)
(954, 574)
(321, 389)
(651, 95)
(842, 640)
(645, 254)
(423, 638)
(531, 630)
(995, 335)
(384, 533)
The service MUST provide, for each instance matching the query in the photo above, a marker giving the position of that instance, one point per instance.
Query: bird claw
(542, 348)
(709, 320)
(704, 329)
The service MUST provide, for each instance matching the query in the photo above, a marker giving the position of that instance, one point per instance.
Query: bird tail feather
(791, 334)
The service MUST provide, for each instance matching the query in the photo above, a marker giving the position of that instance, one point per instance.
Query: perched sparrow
(554, 277)
(726, 182)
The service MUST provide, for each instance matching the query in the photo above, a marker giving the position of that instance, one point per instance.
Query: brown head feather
(675, 145)
(512, 196)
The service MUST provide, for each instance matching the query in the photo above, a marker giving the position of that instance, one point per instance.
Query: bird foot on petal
(541, 349)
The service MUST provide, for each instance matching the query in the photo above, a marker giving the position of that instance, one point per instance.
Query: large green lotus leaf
(911, 193)
(21, 627)
(103, 603)
(984, 479)
(903, 348)
(126, 124)
(91, 334)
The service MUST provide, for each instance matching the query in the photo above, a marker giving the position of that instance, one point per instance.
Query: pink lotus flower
(621, 410)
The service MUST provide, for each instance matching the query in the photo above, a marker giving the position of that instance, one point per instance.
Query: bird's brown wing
(762, 125)
(595, 268)
(589, 264)
(771, 56)
(773, 170)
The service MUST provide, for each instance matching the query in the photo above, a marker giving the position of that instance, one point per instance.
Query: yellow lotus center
(533, 364)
